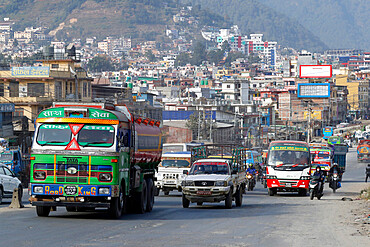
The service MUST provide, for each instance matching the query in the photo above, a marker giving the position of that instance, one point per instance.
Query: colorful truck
(87, 156)
(363, 151)
(323, 157)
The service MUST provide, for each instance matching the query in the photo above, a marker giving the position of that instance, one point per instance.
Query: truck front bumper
(205, 194)
(71, 204)
(73, 190)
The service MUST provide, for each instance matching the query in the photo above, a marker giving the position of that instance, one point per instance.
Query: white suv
(8, 182)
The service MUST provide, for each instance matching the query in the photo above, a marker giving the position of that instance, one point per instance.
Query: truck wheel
(229, 200)
(239, 197)
(166, 192)
(185, 202)
(141, 199)
(117, 205)
(43, 211)
(271, 192)
(150, 195)
(1, 195)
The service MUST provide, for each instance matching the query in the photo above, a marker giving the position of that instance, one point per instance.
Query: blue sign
(7, 107)
(313, 90)
(30, 71)
(273, 57)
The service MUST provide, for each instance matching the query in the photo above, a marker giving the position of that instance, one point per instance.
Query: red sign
(75, 128)
(73, 145)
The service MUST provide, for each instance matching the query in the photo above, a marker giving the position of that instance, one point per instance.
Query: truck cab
(12, 158)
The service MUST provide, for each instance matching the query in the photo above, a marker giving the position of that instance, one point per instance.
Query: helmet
(250, 165)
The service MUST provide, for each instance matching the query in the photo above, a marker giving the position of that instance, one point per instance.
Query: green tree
(150, 56)
(100, 63)
(215, 56)
(199, 53)
(182, 59)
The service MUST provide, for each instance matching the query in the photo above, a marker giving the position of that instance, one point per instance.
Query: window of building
(227, 86)
(18, 112)
(35, 89)
(85, 88)
(58, 90)
(13, 88)
(54, 66)
(1, 89)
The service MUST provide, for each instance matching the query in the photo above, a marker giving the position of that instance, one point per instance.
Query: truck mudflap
(288, 184)
(71, 204)
(73, 190)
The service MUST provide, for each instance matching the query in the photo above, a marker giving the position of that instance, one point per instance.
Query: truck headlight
(105, 177)
(38, 189)
(39, 175)
(104, 191)
(221, 183)
(271, 177)
(305, 178)
(249, 176)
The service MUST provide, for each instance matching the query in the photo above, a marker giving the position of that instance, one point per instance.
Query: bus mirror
(185, 172)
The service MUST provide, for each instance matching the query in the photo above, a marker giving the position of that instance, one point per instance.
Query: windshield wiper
(51, 142)
(88, 144)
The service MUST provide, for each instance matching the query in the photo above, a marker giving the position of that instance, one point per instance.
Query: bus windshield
(175, 163)
(6, 157)
(210, 168)
(54, 134)
(288, 157)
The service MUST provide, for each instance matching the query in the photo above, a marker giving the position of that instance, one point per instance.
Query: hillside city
(108, 127)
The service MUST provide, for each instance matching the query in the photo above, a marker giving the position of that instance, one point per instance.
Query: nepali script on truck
(288, 167)
(87, 156)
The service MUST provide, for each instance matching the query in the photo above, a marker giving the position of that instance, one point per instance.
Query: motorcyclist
(251, 169)
(332, 170)
(319, 173)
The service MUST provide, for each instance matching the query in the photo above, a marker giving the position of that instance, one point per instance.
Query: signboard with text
(315, 71)
(30, 72)
(7, 107)
(313, 90)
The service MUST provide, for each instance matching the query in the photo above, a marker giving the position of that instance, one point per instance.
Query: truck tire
(185, 202)
(239, 197)
(271, 192)
(150, 194)
(141, 199)
(117, 205)
(43, 211)
(166, 192)
(229, 200)
(1, 195)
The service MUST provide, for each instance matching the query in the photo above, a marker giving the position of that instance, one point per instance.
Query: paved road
(282, 220)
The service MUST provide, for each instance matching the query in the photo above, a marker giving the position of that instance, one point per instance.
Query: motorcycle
(334, 181)
(314, 187)
(250, 181)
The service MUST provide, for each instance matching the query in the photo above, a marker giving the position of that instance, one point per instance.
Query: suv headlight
(221, 183)
(187, 183)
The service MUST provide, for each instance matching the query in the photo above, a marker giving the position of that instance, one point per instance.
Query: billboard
(315, 71)
(30, 71)
(317, 115)
(313, 90)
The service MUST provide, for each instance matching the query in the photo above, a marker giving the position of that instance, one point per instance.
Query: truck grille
(204, 183)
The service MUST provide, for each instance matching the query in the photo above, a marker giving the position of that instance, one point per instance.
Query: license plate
(202, 192)
(288, 185)
(170, 181)
(70, 190)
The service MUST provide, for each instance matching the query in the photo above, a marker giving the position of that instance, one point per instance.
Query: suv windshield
(54, 134)
(96, 136)
(175, 163)
(287, 157)
(210, 168)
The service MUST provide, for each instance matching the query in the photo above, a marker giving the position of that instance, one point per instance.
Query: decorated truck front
(363, 151)
(93, 156)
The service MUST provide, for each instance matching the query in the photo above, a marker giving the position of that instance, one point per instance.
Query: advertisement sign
(315, 71)
(313, 90)
(30, 71)
(7, 107)
(314, 115)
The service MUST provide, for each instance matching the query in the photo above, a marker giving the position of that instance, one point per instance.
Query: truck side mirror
(185, 172)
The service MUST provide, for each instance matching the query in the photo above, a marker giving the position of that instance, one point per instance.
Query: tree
(100, 63)
(150, 56)
(182, 59)
(215, 56)
(253, 58)
(199, 53)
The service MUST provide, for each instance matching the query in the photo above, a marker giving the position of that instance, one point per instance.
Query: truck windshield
(285, 157)
(6, 157)
(323, 156)
(54, 134)
(209, 168)
(96, 136)
(175, 163)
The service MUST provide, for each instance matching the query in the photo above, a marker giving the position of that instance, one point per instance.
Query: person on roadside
(367, 172)
(319, 172)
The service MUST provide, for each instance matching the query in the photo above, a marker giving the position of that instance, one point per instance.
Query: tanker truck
(96, 155)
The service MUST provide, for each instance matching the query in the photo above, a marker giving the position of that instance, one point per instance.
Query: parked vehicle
(363, 151)
(93, 156)
(14, 160)
(9, 182)
(215, 179)
(315, 187)
(288, 167)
